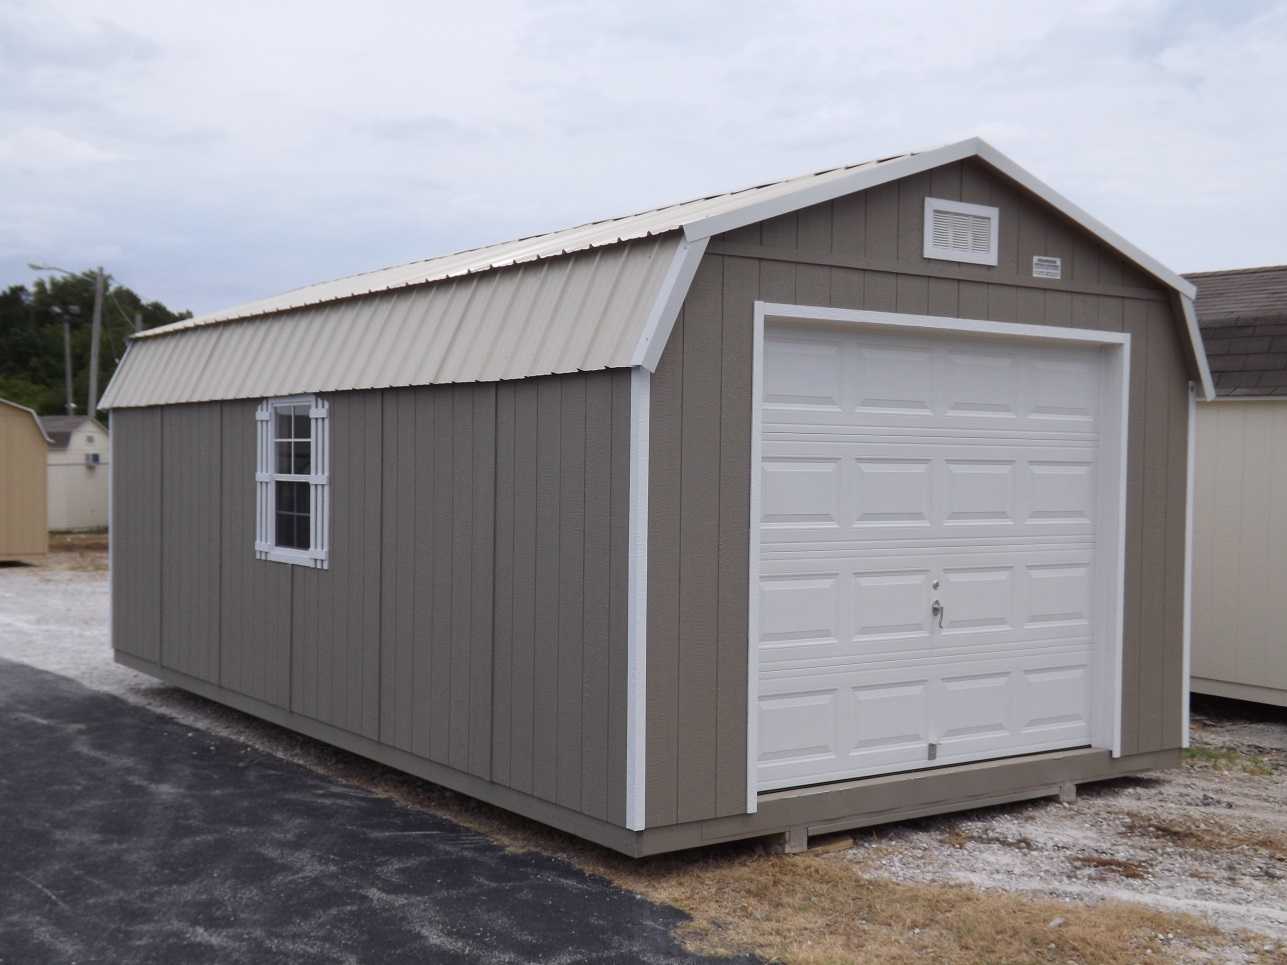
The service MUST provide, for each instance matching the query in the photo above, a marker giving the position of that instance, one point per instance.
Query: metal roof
(1243, 315)
(596, 234)
(581, 312)
(34, 418)
(601, 295)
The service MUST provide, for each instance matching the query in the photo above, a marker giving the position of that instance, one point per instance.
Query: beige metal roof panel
(594, 296)
(599, 234)
(581, 312)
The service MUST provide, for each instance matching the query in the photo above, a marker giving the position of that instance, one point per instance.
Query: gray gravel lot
(1209, 838)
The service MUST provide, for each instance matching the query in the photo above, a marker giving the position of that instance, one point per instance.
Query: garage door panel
(891, 492)
(940, 380)
(807, 373)
(865, 490)
(978, 492)
(979, 383)
(896, 378)
(891, 462)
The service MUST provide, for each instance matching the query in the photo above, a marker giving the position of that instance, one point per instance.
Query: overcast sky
(210, 153)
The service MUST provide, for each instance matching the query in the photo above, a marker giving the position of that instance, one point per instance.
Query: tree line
(31, 337)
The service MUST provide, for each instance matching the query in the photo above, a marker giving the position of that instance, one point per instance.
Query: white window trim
(1106, 714)
(317, 555)
(960, 207)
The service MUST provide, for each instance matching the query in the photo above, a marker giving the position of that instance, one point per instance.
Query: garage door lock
(933, 751)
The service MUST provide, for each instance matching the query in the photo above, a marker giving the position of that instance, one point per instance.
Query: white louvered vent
(956, 231)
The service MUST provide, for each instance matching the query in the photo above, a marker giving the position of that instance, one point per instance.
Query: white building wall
(78, 490)
(1240, 551)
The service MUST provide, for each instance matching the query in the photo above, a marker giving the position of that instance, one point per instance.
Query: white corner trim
(1190, 479)
(111, 535)
(753, 566)
(637, 599)
(1199, 350)
(674, 288)
(1117, 585)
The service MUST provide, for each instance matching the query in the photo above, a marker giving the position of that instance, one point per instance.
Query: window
(956, 231)
(292, 497)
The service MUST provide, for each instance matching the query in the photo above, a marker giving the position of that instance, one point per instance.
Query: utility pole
(95, 336)
(65, 315)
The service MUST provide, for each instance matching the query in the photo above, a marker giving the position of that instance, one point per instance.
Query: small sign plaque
(1045, 266)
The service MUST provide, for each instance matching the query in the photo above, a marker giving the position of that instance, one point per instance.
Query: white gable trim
(862, 178)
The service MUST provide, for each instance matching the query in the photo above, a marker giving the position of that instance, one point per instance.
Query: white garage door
(899, 469)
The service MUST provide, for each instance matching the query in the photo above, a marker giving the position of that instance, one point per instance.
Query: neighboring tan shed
(1240, 501)
(831, 501)
(78, 472)
(23, 535)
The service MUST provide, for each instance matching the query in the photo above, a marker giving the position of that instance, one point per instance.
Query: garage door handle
(937, 609)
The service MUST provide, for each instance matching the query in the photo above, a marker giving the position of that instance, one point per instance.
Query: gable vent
(956, 231)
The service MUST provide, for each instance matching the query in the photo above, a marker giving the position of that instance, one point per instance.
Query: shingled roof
(1243, 316)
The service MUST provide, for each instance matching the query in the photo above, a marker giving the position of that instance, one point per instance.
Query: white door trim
(1106, 723)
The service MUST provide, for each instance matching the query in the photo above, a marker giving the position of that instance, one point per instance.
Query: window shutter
(263, 480)
(320, 488)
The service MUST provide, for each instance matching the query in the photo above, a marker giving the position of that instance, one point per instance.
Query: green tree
(31, 337)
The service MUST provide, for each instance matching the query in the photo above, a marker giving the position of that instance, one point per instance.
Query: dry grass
(1200, 835)
(95, 541)
(814, 909)
(1121, 867)
(83, 552)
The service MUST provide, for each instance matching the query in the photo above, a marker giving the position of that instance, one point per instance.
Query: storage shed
(830, 501)
(23, 536)
(1240, 510)
(78, 471)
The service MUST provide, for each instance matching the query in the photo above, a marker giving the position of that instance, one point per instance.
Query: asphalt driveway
(126, 836)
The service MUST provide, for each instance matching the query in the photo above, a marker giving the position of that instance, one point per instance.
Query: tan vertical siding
(865, 252)
(474, 610)
(560, 607)
(137, 506)
(191, 508)
(24, 532)
(254, 599)
(1240, 548)
(334, 616)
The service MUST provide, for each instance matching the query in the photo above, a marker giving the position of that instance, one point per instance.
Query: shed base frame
(793, 814)
(1236, 691)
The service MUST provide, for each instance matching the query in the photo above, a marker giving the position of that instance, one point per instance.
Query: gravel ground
(1209, 838)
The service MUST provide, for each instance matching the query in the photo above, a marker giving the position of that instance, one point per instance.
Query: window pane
(283, 457)
(292, 497)
(301, 531)
(302, 428)
(283, 422)
(303, 462)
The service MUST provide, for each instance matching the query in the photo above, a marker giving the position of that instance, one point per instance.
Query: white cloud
(254, 147)
(42, 148)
